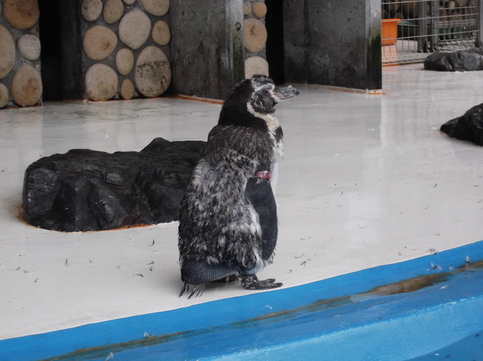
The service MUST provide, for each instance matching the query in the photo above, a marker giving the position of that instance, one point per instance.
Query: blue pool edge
(401, 326)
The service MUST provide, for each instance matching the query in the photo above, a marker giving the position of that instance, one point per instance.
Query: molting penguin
(228, 216)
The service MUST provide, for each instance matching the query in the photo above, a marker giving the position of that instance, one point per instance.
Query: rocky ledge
(467, 127)
(462, 60)
(88, 190)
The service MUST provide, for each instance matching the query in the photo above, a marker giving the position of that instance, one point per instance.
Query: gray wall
(333, 42)
(328, 42)
(207, 47)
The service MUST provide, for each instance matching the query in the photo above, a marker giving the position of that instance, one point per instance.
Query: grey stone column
(333, 42)
(207, 47)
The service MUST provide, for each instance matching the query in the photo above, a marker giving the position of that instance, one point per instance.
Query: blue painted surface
(470, 349)
(342, 318)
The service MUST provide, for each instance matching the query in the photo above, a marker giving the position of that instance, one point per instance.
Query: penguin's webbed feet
(251, 282)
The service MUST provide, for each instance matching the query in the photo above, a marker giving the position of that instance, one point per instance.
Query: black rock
(467, 127)
(462, 60)
(88, 190)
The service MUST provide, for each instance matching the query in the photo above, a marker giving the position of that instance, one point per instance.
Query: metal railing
(428, 26)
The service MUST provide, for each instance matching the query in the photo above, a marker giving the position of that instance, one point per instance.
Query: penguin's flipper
(260, 195)
(251, 282)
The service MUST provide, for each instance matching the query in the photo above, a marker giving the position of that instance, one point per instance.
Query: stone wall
(255, 38)
(116, 49)
(123, 49)
(111, 49)
(20, 80)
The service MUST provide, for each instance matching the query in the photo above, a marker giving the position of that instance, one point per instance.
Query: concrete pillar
(207, 47)
(333, 42)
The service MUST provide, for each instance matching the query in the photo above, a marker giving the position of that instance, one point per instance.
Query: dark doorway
(275, 50)
(50, 55)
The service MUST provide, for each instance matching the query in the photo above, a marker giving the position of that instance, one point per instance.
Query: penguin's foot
(251, 282)
(196, 290)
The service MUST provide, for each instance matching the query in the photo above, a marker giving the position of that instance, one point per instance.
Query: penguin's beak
(285, 92)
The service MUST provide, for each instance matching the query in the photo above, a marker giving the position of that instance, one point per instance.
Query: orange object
(389, 31)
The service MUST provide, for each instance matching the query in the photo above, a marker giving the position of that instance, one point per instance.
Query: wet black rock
(88, 190)
(462, 60)
(467, 127)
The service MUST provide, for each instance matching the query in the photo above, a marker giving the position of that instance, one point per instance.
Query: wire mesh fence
(412, 29)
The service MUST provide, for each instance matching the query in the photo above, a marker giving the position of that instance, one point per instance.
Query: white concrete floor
(366, 180)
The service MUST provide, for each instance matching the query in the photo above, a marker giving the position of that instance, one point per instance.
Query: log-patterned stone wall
(125, 47)
(20, 81)
(122, 49)
(255, 37)
(115, 49)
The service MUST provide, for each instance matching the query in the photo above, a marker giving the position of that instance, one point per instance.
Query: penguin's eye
(265, 92)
